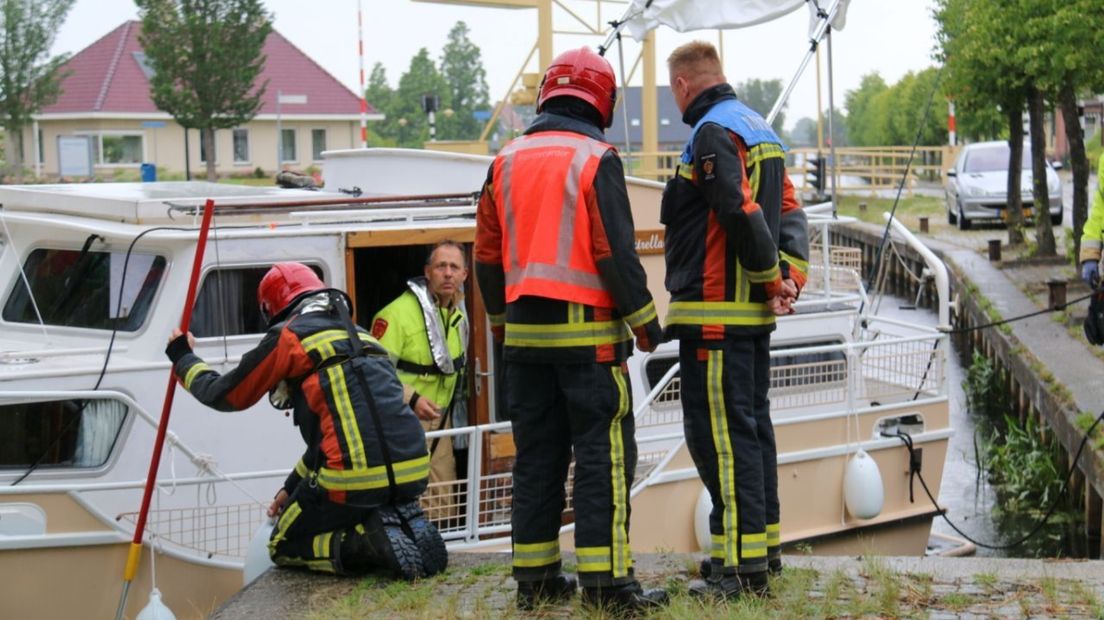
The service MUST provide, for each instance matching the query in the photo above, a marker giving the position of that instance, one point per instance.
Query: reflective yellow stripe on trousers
(619, 537)
(726, 466)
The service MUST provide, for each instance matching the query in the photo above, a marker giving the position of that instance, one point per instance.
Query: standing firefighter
(351, 504)
(736, 249)
(557, 266)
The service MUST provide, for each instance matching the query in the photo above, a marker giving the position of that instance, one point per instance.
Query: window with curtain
(61, 433)
(227, 302)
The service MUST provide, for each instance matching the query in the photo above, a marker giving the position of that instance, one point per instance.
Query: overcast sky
(891, 37)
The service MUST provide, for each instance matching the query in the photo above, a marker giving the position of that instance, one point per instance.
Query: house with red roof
(106, 96)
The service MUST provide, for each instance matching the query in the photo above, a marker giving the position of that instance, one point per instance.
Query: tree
(422, 78)
(1044, 234)
(804, 132)
(975, 37)
(1064, 58)
(206, 57)
(380, 95)
(859, 103)
(760, 95)
(462, 69)
(29, 79)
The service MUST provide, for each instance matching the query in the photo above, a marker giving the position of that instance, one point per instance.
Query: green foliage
(881, 115)
(982, 385)
(206, 57)
(462, 69)
(29, 78)
(760, 95)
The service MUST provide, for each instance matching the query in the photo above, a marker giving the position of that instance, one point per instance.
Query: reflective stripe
(726, 465)
(373, 477)
(565, 335)
(558, 273)
(619, 536)
(1094, 244)
(753, 546)
(642, 316)
(497, 319)
(576, 313)
(301, 469)
(803, 265)
(350, 428)
(592, 559)
(774, 534)
(536, 554)
(718, 313)
(321, 545)
(764, 151)
(717, 549)
(686, 171)
(287, 518)
(768, 275)
(320, 341)
(193, 372)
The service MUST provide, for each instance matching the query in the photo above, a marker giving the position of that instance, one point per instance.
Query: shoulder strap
(357, 352)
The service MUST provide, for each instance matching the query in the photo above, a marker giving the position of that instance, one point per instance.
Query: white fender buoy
(155, 609)
(863, 493)
(257, 559)
(701, 521)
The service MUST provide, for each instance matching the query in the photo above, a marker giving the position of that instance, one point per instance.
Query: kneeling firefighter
(351, 504)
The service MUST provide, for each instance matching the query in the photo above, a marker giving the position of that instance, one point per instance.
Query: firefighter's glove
(1090, 272)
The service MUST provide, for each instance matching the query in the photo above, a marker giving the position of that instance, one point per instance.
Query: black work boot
(551, 591)
(717, 586)
(407, 556)
(373, 545)
(756, 583)
(774, 567)
(431, 546)
(625, 600)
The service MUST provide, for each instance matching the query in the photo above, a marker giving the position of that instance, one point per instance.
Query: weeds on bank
(486, 591)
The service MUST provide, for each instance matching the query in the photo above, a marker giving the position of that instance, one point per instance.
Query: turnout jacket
(307, 363)
(1093, 232)
(543, 323)
(734, 227)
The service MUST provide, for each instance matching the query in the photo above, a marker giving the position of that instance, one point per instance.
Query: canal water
(971, 501)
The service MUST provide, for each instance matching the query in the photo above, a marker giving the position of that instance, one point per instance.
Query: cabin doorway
(377, 268)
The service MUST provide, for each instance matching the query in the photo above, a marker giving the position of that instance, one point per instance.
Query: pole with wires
(135, 554)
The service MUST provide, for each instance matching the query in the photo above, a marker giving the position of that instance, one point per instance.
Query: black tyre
(951, 218)
(963, 223)
(1056, 220)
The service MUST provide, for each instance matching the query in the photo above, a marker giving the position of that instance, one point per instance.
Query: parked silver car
(977, 185)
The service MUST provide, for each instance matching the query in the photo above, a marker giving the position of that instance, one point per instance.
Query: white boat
(79, 405)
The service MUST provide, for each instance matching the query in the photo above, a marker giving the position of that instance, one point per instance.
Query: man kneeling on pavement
(350, 506)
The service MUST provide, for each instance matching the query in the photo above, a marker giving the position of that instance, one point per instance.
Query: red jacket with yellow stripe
(555, 248)
(307, 361)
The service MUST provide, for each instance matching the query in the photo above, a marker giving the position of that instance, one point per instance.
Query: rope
(907, 440)
(1056, 308)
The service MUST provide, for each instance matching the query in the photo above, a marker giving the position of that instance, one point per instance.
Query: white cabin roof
(137, 203)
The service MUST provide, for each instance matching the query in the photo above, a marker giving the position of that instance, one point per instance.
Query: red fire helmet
(282, 284)
(584, 74)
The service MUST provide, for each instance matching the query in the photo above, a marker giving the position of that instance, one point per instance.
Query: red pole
(155, 461)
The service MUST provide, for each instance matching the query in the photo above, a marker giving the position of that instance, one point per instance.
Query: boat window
(60, 433)
(227, 302)
(82, 288)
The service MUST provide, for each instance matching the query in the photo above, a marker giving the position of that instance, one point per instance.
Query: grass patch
(909, 210)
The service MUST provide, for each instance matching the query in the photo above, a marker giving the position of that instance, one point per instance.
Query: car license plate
(1004, 214)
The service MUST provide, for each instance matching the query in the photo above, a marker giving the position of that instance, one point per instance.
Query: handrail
(938, 270)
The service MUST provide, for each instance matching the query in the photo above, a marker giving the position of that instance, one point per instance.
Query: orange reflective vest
(541, 185)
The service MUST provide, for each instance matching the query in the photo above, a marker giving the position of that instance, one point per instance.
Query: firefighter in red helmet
(350, 505)
(566, 294)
